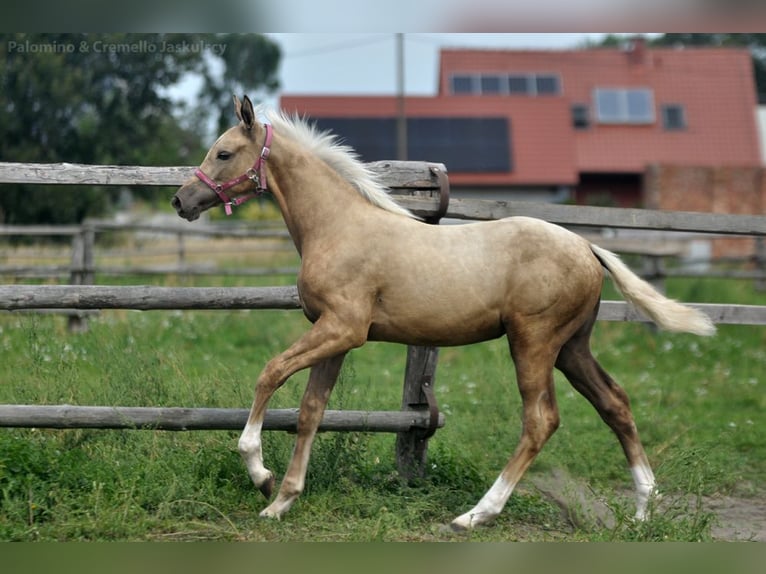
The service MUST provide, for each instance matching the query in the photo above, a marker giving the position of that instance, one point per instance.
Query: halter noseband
(256, 174)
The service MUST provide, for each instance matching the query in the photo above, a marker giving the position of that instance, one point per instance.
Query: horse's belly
(432, 325)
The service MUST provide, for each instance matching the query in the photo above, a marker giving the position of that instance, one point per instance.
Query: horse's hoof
(270, 514)
(458, 528)
(451, 528)
(268, 487)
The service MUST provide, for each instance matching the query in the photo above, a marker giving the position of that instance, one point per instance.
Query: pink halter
(256, 174)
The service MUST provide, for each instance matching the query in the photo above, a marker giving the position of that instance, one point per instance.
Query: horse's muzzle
(189, 213)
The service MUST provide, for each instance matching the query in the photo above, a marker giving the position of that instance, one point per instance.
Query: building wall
(734, 190)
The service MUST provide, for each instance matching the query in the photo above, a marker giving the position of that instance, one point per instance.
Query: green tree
(250, 64)
(104, 99)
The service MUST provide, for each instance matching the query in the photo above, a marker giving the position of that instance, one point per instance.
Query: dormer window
(624, 106)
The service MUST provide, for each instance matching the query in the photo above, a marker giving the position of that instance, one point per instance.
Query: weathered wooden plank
(719, 313)
(195, 270)
(34, 271)
(261, 231)
(407, 175)
(81, 174)
(394, 174)
(725, 274)
(40, 229)
(13, 297)
(483, 210)
(146, 297)
(186, 419)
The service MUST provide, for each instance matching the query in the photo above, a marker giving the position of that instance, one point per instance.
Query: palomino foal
(371, 271)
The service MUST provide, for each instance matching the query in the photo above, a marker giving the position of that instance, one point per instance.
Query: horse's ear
(237, 107)
(247, 113)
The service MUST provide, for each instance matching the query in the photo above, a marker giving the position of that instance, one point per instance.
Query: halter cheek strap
(256, 174)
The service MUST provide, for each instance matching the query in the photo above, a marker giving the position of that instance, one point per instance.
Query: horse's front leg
(329, 337)
(320, 384)
(250, 448)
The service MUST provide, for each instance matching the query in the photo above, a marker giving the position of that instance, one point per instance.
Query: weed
(677, 513)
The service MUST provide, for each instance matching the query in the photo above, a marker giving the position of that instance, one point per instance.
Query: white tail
(666, 313)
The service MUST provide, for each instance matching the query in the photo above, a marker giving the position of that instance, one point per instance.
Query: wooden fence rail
(623, 218)
(404, 178)
(147, 298)
(183, 419)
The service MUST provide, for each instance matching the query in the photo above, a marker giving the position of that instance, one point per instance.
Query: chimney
(637, 49)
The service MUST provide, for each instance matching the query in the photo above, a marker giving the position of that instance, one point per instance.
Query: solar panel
(463, 144)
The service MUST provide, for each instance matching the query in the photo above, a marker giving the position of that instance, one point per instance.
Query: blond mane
(342, 158)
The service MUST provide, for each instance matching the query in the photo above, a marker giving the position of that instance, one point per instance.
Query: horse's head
(231, 172)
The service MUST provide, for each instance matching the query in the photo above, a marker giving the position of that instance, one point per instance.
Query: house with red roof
(561, 125)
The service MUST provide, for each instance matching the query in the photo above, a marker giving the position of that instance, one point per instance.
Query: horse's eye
(224, 155)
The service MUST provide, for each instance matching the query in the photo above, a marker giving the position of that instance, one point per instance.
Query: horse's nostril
(175, 202)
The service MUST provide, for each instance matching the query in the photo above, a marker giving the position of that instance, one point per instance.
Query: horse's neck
(313, 198)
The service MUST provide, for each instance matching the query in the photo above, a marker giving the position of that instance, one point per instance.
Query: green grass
(698, 404)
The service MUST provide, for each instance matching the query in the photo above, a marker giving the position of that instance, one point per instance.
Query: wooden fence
(82, 263)
(414, 185)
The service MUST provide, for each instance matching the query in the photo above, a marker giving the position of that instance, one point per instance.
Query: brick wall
(711, 190)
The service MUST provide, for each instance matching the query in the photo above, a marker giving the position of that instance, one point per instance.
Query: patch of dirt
(737, 519)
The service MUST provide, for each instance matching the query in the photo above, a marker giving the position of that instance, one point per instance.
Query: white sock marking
(643, 478)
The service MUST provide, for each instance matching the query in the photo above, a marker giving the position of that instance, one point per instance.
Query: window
(547, 85)
(624, 106)
(673, 117)
(505, 84)
(518, 85)
(462, 84)
(533, 84)
(580, 117)
(491, 85)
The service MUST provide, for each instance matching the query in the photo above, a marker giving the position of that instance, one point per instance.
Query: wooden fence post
(76, 262)
(420, 375)
(654, 271)
(181, 240)
(418, 394)
(81, 272)
(760, 262)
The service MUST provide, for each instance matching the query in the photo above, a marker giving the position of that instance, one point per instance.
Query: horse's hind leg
(610, 400)
(534, 372)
